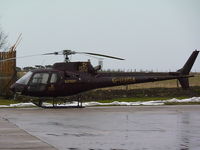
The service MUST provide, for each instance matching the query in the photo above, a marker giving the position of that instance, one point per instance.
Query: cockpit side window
(40, 78)
(54, 78)
(25, 79)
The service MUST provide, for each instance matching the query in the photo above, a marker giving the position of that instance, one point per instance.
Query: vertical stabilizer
(190, 62)
(186, 70)
(184, 83)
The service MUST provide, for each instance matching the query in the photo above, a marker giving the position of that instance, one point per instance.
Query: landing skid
(58, 107)
(55, 106)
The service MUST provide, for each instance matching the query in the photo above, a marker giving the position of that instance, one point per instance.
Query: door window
(54, 78)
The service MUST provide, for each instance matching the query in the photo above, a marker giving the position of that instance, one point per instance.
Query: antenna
(13, 48)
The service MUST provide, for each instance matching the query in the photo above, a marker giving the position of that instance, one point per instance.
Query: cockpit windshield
(25, 78)
(40, 78)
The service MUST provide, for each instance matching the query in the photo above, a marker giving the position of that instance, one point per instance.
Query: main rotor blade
(54, 53)
(96, 54)
(64, 52)
(13, 58)
(3, 60)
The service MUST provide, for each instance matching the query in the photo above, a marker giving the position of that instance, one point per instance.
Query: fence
(8, 72)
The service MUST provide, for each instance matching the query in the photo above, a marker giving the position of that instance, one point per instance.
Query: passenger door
(38, 83)
(54, 87)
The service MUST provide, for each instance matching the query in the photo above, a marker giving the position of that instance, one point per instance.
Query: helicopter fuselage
(65, 79)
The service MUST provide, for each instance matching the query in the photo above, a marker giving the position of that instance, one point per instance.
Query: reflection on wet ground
(113, 128)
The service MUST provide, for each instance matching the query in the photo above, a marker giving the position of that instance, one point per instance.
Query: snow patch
(150, 103)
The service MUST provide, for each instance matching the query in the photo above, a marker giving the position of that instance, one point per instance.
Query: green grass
(7, 101)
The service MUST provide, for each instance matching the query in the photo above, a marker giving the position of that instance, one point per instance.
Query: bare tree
(3, 40)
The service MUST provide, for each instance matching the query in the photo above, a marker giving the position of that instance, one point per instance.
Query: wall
(7, 71)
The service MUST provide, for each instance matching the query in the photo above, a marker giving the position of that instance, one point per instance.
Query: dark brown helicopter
(69, 78)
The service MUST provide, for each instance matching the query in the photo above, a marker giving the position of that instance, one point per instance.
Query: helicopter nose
(17, 87)
(12, 87)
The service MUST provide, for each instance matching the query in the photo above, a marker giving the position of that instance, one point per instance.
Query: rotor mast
(66, 54)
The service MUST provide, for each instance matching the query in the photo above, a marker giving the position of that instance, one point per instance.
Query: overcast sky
(149, 34)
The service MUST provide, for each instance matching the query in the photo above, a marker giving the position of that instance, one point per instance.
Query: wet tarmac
(112, 128)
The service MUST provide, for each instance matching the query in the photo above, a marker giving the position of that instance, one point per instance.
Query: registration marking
(123, 79)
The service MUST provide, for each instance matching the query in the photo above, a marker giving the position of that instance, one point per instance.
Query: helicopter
(70, 78)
